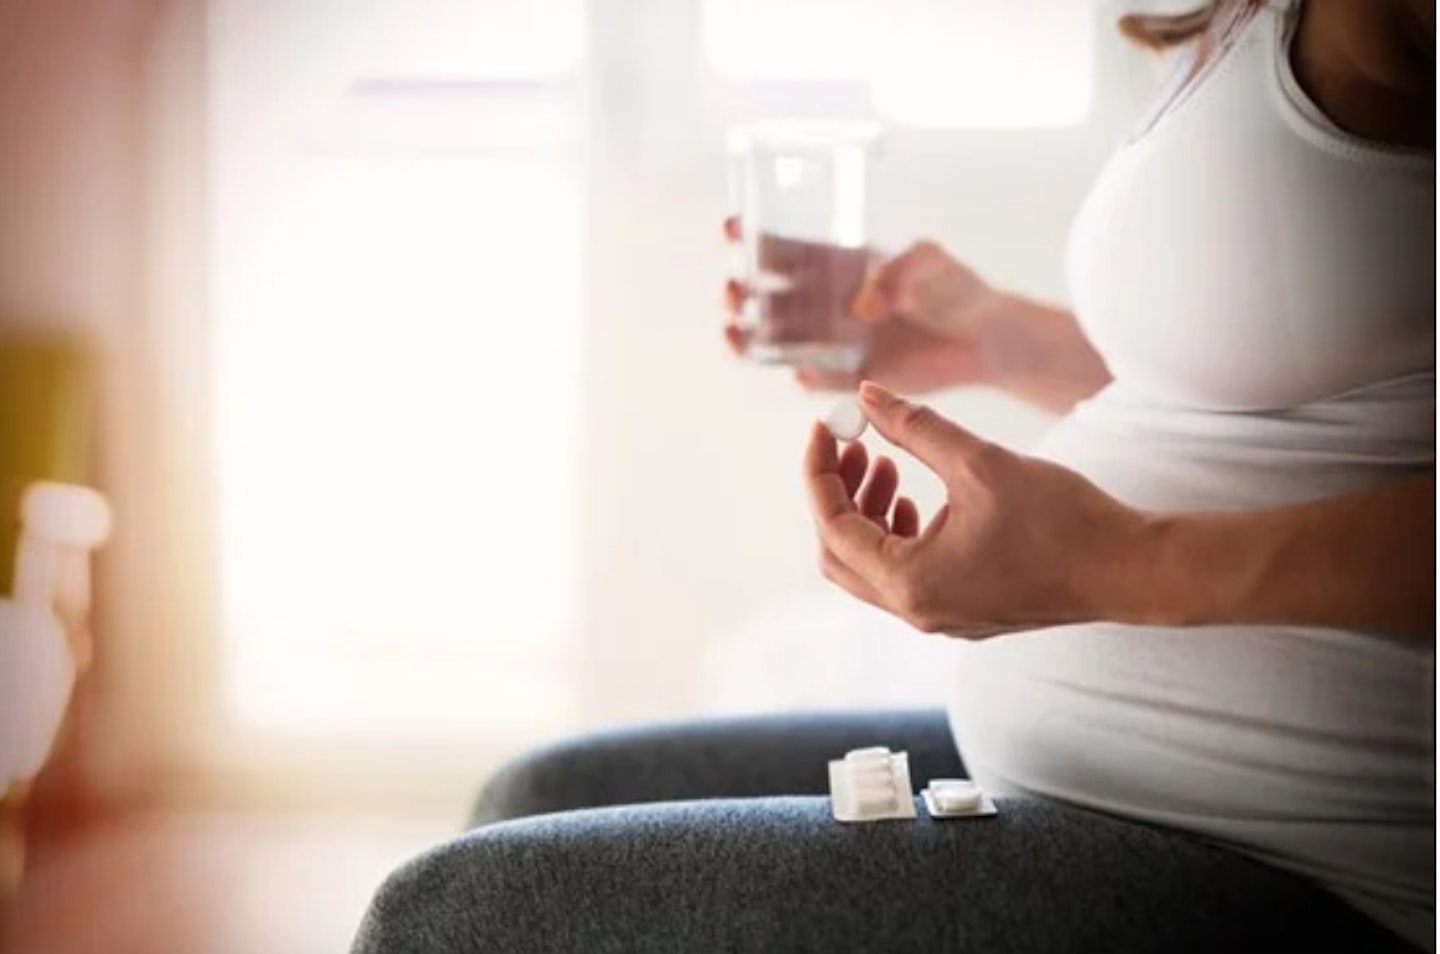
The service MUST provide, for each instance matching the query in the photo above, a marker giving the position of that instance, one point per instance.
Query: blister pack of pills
(956, 798)
(871, 785)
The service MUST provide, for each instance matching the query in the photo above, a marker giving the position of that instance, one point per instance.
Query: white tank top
(1245, 254)
(1262, 287)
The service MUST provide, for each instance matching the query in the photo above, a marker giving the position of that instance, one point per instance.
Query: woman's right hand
(931, 318)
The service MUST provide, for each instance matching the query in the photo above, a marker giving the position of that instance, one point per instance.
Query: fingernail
(868, 305)
(876, 395)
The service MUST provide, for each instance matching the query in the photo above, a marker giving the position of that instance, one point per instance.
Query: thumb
(880, 294)
(894, 286)
(935, 441)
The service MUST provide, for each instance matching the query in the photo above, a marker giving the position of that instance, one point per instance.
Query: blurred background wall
(414, 408)
(411, 397)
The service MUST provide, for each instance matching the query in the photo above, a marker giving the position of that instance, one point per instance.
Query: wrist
(1002, 330)
(1038, 353)
(1166, 576)
(1020, 338)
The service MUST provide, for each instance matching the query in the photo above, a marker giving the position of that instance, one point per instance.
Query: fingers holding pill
(852, 467)
(906, 522)
(872, 488)
(869, 487)
(846, 420)
(999, 554)
(831, 498)
(878, 492)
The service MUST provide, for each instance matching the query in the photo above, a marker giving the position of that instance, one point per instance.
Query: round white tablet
(955, 795)
(874, 753)
(846, 420)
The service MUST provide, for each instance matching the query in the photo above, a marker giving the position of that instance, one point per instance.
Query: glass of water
(803, 192)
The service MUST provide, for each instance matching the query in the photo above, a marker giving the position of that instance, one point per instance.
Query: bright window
(397, 280)
(925, 63)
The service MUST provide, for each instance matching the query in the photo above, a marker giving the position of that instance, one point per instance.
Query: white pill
(955, 796)
(868, 755)
(864, 771)
(846, 420)
(874, 802)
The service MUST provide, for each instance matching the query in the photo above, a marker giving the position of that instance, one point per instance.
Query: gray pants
(717, 837)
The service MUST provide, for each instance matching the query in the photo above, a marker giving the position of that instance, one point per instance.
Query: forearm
(1362, 561)
(1038, 353)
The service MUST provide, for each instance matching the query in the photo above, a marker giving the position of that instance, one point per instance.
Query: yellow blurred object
(46, 409)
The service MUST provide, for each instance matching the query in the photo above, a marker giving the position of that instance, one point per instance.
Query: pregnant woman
(1195, 624)
(1244, 475)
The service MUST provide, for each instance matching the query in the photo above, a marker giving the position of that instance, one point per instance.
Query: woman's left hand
(1021, 543)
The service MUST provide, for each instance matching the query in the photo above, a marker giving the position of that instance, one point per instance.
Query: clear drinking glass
(803, 193)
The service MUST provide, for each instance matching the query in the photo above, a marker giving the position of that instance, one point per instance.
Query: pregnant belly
(1304, 744)
(1167, 457)
(1309, 749)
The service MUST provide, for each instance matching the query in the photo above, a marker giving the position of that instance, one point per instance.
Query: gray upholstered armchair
(591, 846)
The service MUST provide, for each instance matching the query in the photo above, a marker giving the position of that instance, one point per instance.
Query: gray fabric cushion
(739, 757)
(778, 874)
